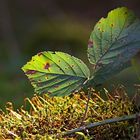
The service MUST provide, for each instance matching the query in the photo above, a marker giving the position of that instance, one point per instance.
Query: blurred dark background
(31, 26)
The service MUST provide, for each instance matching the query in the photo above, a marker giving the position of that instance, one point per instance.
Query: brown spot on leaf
(56, 86)
(112, 25)
(40, 53)
(30, 72)
(47, 65)
(49, 92)
(90, 44)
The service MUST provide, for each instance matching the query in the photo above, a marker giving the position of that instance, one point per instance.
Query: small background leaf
(113, 42)
(56, 73)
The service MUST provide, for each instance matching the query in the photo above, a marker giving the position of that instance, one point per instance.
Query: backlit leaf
(56, 73)
(113, 42)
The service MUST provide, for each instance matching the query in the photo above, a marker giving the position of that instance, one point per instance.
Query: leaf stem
(86, 109)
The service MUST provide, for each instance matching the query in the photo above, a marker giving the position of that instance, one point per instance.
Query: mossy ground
(49, 117)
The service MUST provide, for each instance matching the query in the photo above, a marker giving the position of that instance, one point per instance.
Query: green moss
(49, 117)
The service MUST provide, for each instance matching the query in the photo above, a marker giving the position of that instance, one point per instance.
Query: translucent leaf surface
(113, 42)
(56, 73)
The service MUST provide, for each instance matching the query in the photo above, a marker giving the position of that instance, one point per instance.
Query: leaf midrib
(111, 44)
(58, 74)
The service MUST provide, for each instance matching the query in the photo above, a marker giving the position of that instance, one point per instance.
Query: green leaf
(56, 73)
(113, 42)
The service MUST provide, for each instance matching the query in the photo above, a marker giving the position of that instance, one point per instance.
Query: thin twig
(107, 121)
(86, 109)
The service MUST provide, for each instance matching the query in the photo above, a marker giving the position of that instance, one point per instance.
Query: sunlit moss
(48, 117)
